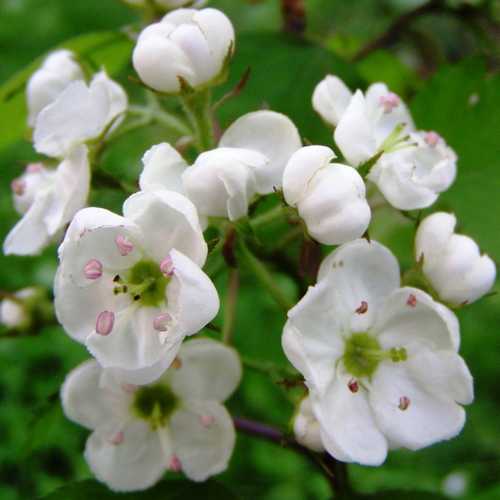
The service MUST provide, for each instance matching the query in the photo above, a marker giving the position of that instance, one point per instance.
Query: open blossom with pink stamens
(116, 292)
(178, 423)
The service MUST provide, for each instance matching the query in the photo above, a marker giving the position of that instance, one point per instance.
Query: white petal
(192, 296)
(411, 318)
(312, 336)
(269, 133)
(30, 235)
(306, 428)
(133, 343)
(361, 271)
(427, 418)
(433, 234)
(163, 169)
(135, 464)
(349, 431)
(167, 220)
(331, 98)
(355, 133)
(77, 115)
(301, 168)
(72, 184)
(209, 370)
(203, 450)
(85, 403)
(117, 98)
(219, 33)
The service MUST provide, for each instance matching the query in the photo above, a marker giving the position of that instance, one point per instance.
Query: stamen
(124, 245)
(404, 403)
(363, 308)
(117, 279)
(34, 168)
(398, 354)
(412, 300)
(353, 385)
(175, 464)
(161, 322)
(389, 102)
(93, 269)
(117, 438)
(105, 322)
(18, 186)
(207, 420)
(177, 363)
(431, 138)
(167, 266)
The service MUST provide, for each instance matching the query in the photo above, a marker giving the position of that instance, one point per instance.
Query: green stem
(230, 306)
(269, 216)
(198, 109)
(155, 114)
(265, 277)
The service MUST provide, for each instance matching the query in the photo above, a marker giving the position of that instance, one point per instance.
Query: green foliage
(166, 490)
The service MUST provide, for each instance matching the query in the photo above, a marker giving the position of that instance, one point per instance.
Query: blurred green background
(441, 56)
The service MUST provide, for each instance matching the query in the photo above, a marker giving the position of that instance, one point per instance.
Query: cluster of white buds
(380, 360)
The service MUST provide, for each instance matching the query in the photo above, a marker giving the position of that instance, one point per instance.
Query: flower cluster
(379, 357)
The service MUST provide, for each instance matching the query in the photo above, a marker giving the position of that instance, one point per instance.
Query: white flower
(412, 178)
(47, 199)
(250, 160)
(186, 44)
(13, 314)
(177, 423)
(57, 71)
(80, 113)
(330, 197)
(331, 98)
(381, 362)
(452, 263)
(368, 121)
(130, 287)
(306, 427)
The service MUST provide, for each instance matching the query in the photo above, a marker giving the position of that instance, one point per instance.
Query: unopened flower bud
(186, 45)
(306, 427)
(330, 197)
(452, 263)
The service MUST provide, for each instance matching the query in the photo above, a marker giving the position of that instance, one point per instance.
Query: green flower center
(155, 403)
(144, 282)
(363, 354)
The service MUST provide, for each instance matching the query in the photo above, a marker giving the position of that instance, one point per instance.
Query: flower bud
(413, 177)
(306, 427)
(56, 73)
(187, 44)
(330, 197)
(331, 98)
(452, 262)
(13, 313)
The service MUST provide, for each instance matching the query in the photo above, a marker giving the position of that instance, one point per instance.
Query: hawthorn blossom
(250, 160)
(413, 177)
(381, 362)
(79, 114)
(452, 263)
(186, 45)
(47, 199)
(130, 287)
(366, 124)
(58, 70)
(330, 197)
(178, 423)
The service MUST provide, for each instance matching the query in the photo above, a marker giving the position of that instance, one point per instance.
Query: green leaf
(110, 50)
(284, 72)
(165, 490)
(399, 495)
